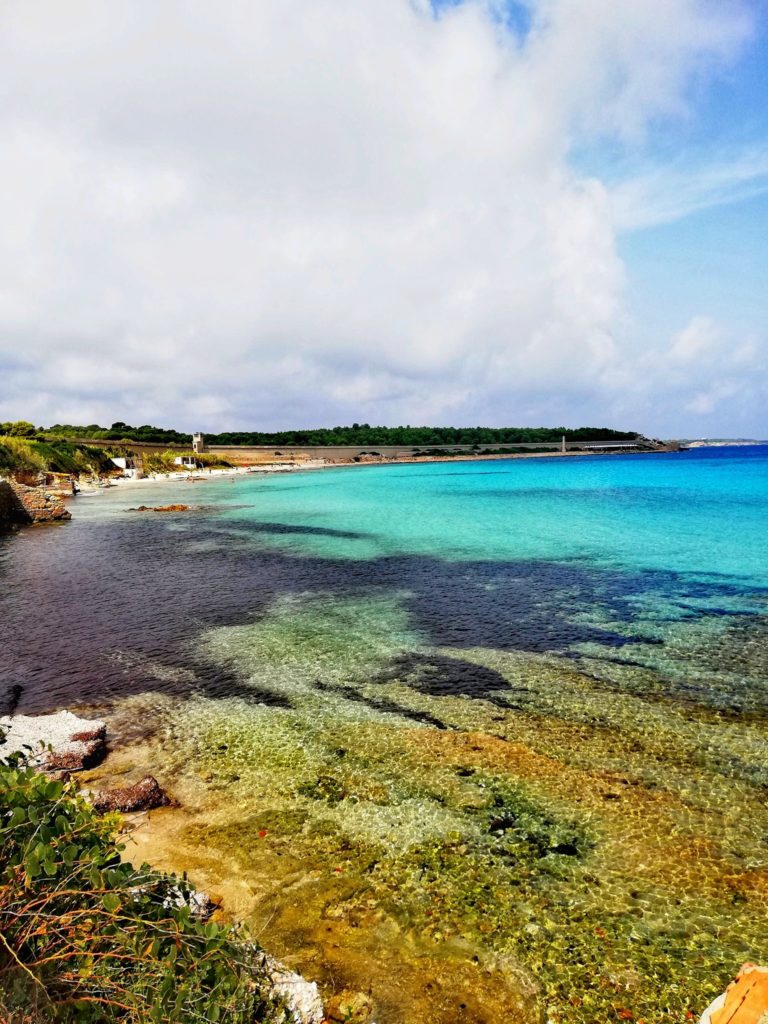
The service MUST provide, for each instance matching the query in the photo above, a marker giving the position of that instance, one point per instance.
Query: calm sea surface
(505, 722)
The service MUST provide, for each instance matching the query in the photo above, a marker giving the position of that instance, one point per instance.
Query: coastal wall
(7, 507)
(21, 505)
(343, 453)
(248, 454)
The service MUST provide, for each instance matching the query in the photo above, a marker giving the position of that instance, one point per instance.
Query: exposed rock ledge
(57, 742)
(21, 505)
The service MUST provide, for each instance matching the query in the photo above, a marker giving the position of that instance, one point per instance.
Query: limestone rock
(21, 505)
(201, 906)
(142, 796)
(745, 1001)
(162, 508)
(75, 743)
(302, 997)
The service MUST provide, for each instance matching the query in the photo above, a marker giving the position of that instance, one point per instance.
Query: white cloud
(669, 193)
(696, 341)
(706, 402)
(284, 212)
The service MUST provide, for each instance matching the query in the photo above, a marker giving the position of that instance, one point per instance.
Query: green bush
(19, 456)
(64, 457)
(163, 462)
(85, 937)
(19, 428)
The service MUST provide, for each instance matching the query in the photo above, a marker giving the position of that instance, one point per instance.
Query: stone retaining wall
(7, 507)
(21, 505)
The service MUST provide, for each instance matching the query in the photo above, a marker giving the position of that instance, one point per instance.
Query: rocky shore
(58, 742)
(61, 743)
(23, 504)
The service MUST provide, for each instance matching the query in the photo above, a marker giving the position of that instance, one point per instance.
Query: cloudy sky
(276, 213)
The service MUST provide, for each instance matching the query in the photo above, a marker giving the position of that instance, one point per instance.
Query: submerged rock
(75, 743)
(350, 1008)
(144, 795)
(162, 508)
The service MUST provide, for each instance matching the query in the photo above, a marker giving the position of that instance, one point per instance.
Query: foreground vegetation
(25, 455)
(85, 937)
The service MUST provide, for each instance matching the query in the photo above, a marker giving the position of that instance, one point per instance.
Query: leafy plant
(86, 937)
(19, 428)
(164, 462)
(19, 456)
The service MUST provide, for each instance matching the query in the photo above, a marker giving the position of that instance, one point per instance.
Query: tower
(198, 443)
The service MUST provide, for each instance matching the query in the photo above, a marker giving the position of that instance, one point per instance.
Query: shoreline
(253, 469)
(416, 460)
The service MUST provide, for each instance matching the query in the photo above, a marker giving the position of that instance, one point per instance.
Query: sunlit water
(486, 739)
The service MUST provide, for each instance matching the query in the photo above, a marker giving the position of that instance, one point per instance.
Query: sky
(265, 214)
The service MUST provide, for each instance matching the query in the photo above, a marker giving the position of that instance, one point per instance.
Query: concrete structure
(130, 465)
(245, 453)
(252, 454)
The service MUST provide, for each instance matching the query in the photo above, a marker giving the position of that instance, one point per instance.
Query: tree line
(362, 434)
(357, 435)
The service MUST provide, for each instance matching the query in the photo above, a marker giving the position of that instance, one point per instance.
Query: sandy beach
(203, 475)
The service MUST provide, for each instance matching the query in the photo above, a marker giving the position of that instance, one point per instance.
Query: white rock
(75, 742)
(719, 1003)
(302, 997)
(200, 904)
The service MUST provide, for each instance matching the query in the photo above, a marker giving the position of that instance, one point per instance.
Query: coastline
(311, 465)
(280, 465)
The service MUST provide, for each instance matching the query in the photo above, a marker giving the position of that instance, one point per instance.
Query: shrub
(86, 937)
(163, 462)
(19, 456)
(19, 428)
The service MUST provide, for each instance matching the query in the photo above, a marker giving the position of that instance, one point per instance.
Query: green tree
(20, 428)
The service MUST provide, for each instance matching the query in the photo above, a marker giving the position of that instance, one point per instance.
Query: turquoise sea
(477, 740)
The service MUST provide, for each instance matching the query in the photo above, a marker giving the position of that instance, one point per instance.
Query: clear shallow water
(701, 512)
(505, 721)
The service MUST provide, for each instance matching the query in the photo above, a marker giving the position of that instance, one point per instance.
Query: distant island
(721, 442)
